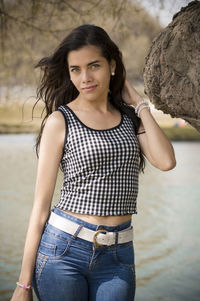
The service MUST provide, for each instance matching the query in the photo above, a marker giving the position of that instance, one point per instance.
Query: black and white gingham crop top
(100, 167)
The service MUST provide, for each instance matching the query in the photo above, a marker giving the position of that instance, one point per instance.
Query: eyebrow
(91, 63)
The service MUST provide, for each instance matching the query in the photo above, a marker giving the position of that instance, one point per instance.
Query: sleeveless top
(100, 167)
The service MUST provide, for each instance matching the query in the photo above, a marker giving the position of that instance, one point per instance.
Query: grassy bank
(16, 118)
(187, 133)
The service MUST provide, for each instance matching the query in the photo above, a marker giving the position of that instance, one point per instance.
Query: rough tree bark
(172, 67)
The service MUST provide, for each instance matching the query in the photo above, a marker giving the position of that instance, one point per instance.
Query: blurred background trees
(32, 29)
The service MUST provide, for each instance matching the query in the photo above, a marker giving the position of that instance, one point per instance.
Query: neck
(103, 105)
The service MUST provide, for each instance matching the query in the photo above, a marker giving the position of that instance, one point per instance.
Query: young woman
(98, 128)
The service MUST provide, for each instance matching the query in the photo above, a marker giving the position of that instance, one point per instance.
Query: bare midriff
(101, 220)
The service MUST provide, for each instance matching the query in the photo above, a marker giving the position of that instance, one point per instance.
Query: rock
(172, 67)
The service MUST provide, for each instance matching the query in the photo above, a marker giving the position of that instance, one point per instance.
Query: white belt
(97, 237)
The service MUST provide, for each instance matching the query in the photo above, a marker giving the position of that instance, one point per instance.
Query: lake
(166, 228)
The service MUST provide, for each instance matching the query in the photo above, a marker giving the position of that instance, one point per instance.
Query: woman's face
(90, 72)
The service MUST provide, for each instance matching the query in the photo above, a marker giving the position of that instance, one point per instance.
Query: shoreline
(187, 133)
(16, 118)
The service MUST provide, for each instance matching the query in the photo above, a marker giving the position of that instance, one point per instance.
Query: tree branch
(15, 19)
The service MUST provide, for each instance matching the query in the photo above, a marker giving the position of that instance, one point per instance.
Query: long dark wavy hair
(57, 89)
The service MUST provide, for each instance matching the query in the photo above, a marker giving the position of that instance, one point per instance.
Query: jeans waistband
(93, 227)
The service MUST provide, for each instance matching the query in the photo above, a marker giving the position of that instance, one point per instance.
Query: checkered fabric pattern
(100, 167)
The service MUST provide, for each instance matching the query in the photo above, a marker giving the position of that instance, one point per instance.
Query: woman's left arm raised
(153, 142)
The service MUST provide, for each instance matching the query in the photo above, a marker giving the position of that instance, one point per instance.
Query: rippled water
(167, 226)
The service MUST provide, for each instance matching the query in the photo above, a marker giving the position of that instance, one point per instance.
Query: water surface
(167, 226)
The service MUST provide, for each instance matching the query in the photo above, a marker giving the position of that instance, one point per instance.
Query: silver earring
(113, 73)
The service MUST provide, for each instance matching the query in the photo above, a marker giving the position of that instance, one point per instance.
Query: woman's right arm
(50, 153)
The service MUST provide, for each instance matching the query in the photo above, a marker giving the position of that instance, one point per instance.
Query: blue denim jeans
(69, 268)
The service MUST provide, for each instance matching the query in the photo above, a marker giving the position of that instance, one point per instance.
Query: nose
(86, 76)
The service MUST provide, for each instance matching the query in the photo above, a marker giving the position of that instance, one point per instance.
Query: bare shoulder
(54, 127)
(55, 121)
(56, 117)
(53, 135)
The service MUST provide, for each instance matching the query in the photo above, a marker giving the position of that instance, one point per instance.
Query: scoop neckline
(97, 130)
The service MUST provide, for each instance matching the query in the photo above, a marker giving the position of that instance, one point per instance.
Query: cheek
(106, 78)
(103, 77)
(75, 81)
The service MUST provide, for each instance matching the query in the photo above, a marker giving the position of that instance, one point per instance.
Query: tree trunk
(172, 67)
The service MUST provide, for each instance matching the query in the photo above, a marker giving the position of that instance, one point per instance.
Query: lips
(90, 88)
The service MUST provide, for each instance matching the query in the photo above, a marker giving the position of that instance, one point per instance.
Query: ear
(112, 66)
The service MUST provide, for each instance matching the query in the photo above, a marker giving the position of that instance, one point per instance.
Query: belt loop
(74, 236)
(116, 237)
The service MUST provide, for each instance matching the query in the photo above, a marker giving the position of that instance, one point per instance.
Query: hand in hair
(130, 95)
